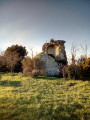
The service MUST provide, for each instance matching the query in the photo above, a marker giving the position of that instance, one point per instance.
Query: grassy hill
(43, 98)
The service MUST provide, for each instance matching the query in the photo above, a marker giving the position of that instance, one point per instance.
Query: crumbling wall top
(52, 43)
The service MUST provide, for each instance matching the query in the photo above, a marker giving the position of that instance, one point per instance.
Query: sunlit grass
(43, 98)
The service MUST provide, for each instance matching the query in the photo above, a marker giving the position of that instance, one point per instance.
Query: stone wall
(50, 64)
(53, 53)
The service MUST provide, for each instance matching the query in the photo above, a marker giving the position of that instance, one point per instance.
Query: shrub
(33, 66)
(38, 72)
(81, 70)
(85, 69)
(72, 71)
(27, 65)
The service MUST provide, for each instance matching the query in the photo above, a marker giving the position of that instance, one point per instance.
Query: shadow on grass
(47, 78)
(68, 112)
(10, 83)
(46, 112)
(62, 112)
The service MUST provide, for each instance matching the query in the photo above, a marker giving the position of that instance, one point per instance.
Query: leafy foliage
(81, 70)
(20, 51)
(84, 69)
(72, 71)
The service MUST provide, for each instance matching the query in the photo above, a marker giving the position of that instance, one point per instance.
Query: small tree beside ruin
(11, 60)
(33, 66)
(27, 65)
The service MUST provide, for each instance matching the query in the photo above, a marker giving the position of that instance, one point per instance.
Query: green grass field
(43, 98)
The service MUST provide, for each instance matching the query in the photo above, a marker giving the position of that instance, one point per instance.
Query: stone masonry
(52, 54)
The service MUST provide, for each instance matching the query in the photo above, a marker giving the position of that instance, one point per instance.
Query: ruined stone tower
(52, 54)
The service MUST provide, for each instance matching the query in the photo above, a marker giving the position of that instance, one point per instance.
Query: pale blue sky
(31, 22)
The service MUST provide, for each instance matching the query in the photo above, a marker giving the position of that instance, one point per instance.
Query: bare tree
(73, 52)
(12, 58)
(84, 49)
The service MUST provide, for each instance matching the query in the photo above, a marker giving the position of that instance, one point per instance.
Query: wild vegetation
(81, 70)
(30, 95)
(33, 66)
(43, 98)
(10, 60)
(15, 59)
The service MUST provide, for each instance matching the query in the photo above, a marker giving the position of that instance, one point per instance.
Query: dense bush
(81, 70)
(20, 51)
(11, 59)
(27, 65)
(85, 69)
(72, 71)
(33, 66)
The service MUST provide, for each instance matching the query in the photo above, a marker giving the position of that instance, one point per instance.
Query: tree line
(15, 59)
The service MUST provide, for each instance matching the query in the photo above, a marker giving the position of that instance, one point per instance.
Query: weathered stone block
(53, 53)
